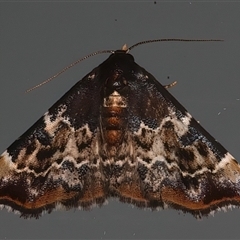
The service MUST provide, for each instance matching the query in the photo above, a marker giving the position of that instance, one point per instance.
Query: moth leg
(170, 85)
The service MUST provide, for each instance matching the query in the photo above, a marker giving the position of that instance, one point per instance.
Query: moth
(118, 133)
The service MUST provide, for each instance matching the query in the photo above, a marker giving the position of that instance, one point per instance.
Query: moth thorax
(114, 119)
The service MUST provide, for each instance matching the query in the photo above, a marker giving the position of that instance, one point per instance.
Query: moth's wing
(177, 162)
(56, 160)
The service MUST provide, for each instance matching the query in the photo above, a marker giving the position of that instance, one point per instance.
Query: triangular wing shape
(118, 132)
(56, 161)
(178, 162)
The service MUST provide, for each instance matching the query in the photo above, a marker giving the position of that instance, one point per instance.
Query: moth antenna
(69, 66)
(174, 40)
(125, 48)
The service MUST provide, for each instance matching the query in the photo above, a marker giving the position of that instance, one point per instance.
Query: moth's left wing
(56, 160)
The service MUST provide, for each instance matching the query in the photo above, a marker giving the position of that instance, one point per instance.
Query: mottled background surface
(37, 39)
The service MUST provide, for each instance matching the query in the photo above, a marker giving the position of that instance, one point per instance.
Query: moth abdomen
(114, 119)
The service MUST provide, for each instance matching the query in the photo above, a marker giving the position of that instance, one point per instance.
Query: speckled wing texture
(118, 133)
